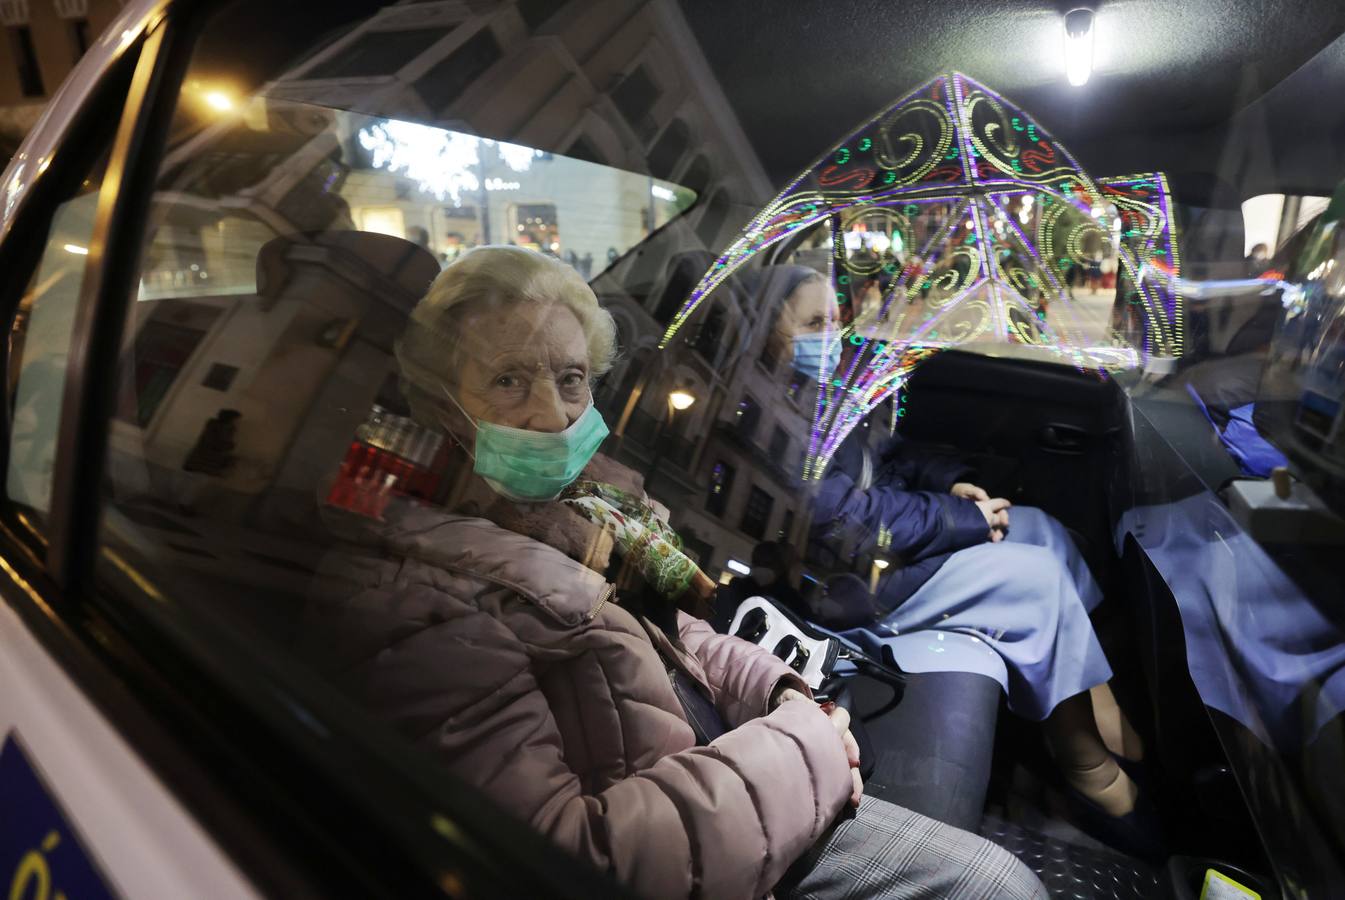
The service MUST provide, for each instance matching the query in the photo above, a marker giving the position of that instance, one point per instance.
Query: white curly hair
(429, 351)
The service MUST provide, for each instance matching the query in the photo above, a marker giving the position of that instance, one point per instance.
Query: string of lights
(962, 174)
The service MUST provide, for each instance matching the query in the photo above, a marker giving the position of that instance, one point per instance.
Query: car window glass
(459, 328)
(39, 346)
(266, 428)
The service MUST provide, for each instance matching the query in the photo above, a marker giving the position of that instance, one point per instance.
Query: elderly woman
(968, 562)
(683, 762)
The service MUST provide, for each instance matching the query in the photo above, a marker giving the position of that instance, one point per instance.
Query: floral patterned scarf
(642, 538)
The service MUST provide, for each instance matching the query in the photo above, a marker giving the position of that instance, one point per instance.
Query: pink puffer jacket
(508, 660)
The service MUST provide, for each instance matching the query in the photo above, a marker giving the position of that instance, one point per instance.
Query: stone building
(44, 39)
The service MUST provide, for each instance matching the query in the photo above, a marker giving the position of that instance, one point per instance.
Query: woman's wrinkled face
(525, 366)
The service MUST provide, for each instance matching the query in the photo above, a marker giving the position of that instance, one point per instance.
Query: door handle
(1059, 438)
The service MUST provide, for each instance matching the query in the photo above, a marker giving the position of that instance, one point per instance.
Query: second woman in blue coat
(1025, 590)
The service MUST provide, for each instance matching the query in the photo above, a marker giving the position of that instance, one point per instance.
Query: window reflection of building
(293, 162)
(721, 486)
(753, 432)
(165, 343)
(757, 512)
(42, 42)
(624, 84)
(748, 414)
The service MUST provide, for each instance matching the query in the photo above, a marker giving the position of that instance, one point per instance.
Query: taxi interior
(1228, 104)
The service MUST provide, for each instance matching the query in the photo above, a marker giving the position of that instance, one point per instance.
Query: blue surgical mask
(533, 466)
(816, 354)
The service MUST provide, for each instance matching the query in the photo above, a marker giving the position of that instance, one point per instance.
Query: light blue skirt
(1028, 597)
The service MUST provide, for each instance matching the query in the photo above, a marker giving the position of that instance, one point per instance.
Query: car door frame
(297, 809)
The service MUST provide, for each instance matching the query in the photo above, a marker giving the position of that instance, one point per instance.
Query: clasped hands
(995, 509)
(840, 720)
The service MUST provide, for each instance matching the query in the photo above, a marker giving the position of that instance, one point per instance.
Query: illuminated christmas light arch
(991, 213)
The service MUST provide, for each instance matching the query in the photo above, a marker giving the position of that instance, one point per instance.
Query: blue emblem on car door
(40, 855)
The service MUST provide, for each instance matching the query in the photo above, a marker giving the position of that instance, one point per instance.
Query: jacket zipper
(607, 592)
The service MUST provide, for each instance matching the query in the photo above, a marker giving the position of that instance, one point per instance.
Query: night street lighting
(681, 399)
(219, 101)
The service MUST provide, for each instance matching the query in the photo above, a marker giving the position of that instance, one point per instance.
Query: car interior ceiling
(1039, 434)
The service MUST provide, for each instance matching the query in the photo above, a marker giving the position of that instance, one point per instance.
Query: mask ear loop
(465, 414)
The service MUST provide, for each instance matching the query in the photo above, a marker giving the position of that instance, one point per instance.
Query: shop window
(383, 220)
(757, 512)
(376, 53)
(448, 79)
(669, 148)
(25, 57)
(746, 417)
(536, 227)
(721, 484)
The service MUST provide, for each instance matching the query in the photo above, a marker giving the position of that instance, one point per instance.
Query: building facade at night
(635, 129)
(43, 41)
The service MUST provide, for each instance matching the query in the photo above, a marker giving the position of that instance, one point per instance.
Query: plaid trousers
(885, 850)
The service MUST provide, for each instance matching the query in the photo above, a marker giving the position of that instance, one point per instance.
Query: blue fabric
(1266, 649)
(1028, 597)
(1254, 455)
(909, 497)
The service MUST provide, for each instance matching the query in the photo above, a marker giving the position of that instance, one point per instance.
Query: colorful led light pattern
(992, 213)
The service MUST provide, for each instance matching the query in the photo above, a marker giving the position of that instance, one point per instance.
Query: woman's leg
(1117, 732)
(1019, 599)
(1029, 525)
(887, 851)
(1072, 734)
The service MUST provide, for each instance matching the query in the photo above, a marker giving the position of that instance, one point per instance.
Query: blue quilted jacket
(905, 491)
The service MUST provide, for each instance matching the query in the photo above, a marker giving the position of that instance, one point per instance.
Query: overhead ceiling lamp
(1079, 27)
(681, 399)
